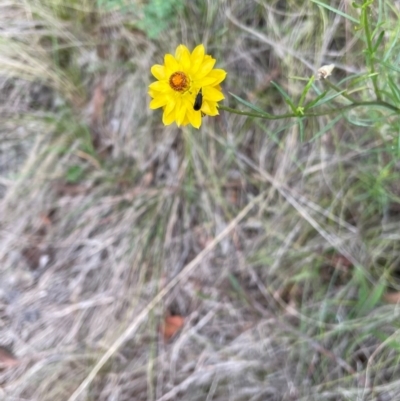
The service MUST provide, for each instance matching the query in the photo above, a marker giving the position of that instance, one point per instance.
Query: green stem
(370, 51)
(322, 113)
(257, 115)
(337, 89)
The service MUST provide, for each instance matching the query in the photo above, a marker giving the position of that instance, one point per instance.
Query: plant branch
(379, 103)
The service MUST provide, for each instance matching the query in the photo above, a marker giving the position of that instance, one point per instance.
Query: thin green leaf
(275, 134)
(389, 343)
(336, 11)
(250, 105)
(389, 95)
(305, 91)
(325, 100)
(394, 89)
(367, 3)
(301, 128)
(389, 66)
(326, 128)
(285, 97)
(315, 101)
(373, 297)
(378, 41)
(398, 145)
(393, 44)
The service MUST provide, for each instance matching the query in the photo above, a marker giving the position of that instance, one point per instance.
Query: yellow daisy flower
(187, 86)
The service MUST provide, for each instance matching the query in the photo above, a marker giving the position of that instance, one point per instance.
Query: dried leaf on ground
(172, 324)
(7, 360)
(392, 297)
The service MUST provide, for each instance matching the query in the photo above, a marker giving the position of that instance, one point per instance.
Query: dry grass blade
(183, 275)
(276, 241)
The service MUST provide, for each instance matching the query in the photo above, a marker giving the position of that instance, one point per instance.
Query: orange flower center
(179, 81)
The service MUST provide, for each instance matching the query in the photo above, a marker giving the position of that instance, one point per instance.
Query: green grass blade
(306, 90)
(326, 128)
(249, 105)
(285, 96)
(324, 100)
(394, 89)
(315, 101)
(336, 11)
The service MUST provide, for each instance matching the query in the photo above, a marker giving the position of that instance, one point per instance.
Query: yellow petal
(196, 58)
(209, 108)
(194, 117)
(171, 65)
(182, 55)
(153, 93)
(170, 106)
(168, 118)
(180, 111)
(218, 74)
(185, 121)
(179, 50)
(206, 81)
(213, 94)
(158, 71)
(188, 98)
(160, 86)
(158, 102)
(205, 108)
(205, 68)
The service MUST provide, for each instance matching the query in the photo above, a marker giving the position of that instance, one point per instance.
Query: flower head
(187, 86)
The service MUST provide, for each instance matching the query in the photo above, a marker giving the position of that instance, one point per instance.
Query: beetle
(199, 100)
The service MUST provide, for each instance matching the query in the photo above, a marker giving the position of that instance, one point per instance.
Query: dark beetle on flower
(199, 100)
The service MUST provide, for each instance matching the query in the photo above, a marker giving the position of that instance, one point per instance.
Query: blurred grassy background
(280, 239)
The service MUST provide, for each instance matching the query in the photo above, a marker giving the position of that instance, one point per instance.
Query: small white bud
(325, 71)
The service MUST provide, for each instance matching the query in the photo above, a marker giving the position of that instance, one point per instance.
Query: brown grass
(273, 249)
